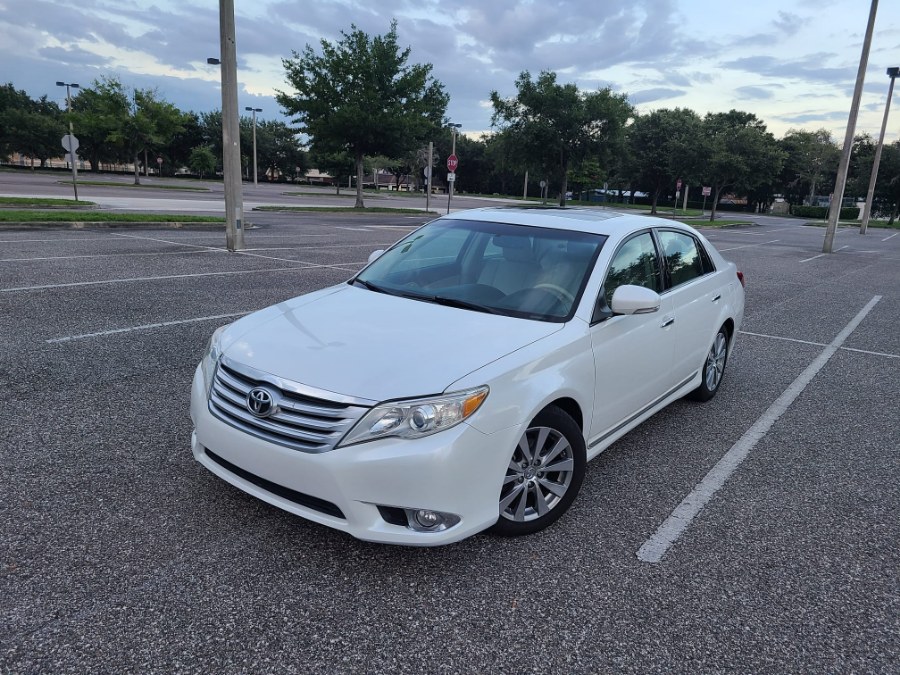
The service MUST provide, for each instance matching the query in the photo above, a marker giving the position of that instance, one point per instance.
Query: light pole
(840, 183)
(870, 195)
(254, 111)
(231, 134)
(451, 183)
(71, 85)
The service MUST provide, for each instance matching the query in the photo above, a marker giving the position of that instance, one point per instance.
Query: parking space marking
(146, 326)
(786, 339)
(735, 248)
(891, 237)
(104, 282)
(823, 254)
(28, 241)
(653, 550)
(106, 255)
(820, 344)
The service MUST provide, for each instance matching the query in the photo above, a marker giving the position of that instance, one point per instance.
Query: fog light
(428, 519)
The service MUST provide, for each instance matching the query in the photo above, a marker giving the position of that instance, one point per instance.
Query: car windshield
(498, 268)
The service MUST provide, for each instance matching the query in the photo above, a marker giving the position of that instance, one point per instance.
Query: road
(119, 553)
(211, 199)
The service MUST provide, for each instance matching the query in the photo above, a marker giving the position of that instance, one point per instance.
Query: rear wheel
(544, 475)
(713, 367)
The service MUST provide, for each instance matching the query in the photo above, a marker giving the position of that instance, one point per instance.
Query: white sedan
(462, 380)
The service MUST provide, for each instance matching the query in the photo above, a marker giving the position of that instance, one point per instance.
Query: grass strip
(22, 216)
(880, 224)
(42, 201)
(146, 186)
(344, 209)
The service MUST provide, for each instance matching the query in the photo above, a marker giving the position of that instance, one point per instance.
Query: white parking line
(105, 255)
(653, 550)
(820, 344)
(146, 326)
(735, 248)
(824, 254)
(891, 237)
(160, 278)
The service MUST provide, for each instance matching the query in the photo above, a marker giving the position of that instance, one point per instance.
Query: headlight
(416, 418)
(211, 356)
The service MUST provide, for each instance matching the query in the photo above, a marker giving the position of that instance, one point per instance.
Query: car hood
(360, 343)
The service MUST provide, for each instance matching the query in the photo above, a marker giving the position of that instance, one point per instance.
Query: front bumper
(458, 471)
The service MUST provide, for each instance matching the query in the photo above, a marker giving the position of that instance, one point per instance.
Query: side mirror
(375, 255)
(630, 299)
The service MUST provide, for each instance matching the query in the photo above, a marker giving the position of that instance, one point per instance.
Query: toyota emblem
(260, 402)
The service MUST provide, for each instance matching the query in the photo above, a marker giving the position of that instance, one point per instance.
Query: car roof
(599, 221)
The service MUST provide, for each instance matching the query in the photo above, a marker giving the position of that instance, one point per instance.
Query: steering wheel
(558, 290)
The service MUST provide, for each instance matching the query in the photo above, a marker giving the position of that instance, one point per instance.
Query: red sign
(452, 163)
(159, 160)
(707, 191)
(678, 184)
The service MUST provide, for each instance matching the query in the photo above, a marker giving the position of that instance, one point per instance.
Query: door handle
(717, 298)
(668, 321)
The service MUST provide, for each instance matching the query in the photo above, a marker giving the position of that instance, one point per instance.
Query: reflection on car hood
(361, 343)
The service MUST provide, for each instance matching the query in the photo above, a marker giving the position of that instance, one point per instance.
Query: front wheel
(713, 368)
(544, 475)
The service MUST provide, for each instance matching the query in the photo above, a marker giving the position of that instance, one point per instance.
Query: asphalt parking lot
(119, 553)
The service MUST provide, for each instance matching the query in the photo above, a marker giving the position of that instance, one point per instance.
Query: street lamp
(453, 128)
(254, 111)
(69, 86)
(867, 209)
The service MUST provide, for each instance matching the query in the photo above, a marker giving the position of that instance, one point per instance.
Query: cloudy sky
(792, 62)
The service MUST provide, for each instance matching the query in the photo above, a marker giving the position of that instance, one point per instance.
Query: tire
(713, 368)
(533, 497)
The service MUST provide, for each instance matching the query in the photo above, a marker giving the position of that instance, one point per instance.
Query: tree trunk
(137, 173)
(655, 200)
(359, 181)
(893, 215)
(565, 185)
(717, 190)
(812, 192)
(145, 163)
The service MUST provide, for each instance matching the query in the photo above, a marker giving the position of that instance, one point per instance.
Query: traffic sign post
(159, 164)
(70, 144)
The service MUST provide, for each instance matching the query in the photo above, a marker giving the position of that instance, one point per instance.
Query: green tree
(360, 96)
(202, 160)
(557, 125)
(31, 128)
(740, 154)
(663, 148)
(811, 160)
(99, 111)
(278, 150)
(339, 165)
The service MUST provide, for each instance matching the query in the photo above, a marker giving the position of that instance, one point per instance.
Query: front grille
(310, 502)
(301, 422)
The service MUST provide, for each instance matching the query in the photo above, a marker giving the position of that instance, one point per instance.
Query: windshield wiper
(461, 304)
(373, 287)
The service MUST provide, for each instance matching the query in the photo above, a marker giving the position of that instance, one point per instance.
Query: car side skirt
(607, 438)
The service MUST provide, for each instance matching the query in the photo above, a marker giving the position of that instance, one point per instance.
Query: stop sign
(452, 162)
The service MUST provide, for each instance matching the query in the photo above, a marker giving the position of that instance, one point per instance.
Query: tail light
(741, 279)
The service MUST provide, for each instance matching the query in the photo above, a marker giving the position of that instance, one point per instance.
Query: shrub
(821, 212)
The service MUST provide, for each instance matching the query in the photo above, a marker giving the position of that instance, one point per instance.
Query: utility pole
(430, 171)
(870, 196)
(254, 111)
(525, 189)
(231, 134)
(835, 212)
(73, 85)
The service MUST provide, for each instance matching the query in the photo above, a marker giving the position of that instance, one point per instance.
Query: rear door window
(684, 257)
